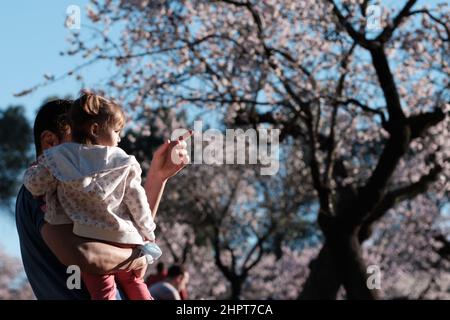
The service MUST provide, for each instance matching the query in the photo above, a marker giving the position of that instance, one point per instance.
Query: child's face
(109, 137)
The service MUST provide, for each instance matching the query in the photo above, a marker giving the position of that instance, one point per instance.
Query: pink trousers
(103, 287)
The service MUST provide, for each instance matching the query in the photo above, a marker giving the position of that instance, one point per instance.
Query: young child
(96, 186)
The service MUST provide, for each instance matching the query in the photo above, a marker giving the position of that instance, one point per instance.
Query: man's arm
(90, 255)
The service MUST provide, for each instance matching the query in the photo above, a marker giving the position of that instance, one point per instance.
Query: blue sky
(32, 34)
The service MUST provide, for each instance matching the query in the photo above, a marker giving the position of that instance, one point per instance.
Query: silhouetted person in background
(161, 274)
(170, 287)
(183, 288)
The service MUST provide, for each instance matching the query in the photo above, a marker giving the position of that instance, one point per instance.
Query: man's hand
(170, 158)
(140, 273)
(137, 263)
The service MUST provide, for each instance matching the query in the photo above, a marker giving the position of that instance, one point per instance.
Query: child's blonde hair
(91, 108)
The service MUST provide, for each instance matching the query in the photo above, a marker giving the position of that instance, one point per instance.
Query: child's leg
(100, 287)
(134, 288)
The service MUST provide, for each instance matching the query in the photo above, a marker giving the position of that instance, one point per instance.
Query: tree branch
(227, 272)
(168, 244)
(387, 83)
(401, 130)
(331, 138)
(358, 37)
(386, 34)
(363, 7)
(289, 127)
(236, 3)
(396, 196)
(428, 13)
(233, 258)
(366, 108)
(291, 59)
(186, 250)
(422, 122)
(258, 245)
(444, 251)
(217, 251)
(322, 191)
(230, 101)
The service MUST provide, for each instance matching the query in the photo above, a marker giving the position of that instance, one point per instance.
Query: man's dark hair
(175, 271)
(51, 116)
(160, 267)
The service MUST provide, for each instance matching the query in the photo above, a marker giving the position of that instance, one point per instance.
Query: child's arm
(38, 179)
(136, 200)
(162, 168)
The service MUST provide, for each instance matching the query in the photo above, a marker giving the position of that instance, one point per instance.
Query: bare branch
(56, 79)
(169, 245)
(257, 259)
(233, 258)
(396, 196)
(435, 19)
(358, 37)
(387, 83)
(386, 34)
(258, 245)
(138, 55)
(365, 108)
(236, 3)
(363, 7)
(228, 272)
(297, 64)
(217, 252)
(231, 101)
(444, 251)
(331, 138)
(422, 122)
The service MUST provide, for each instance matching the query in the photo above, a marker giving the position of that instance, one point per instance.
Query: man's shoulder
(23, 193)
(25, 202)
(46, 275)
(29, 215)
(163, 286)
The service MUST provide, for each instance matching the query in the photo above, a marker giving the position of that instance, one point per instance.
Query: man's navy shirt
(45, 273)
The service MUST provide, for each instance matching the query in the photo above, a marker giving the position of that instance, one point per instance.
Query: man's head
(50, 125)
(175, 275)
(161, 268)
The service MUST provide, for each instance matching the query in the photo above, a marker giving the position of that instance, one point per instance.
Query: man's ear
(94, 129)
(49, 139)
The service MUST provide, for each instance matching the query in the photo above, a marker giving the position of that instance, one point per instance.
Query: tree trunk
(322, 282)
(350, 266)
(339, 262)
(236, 288)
